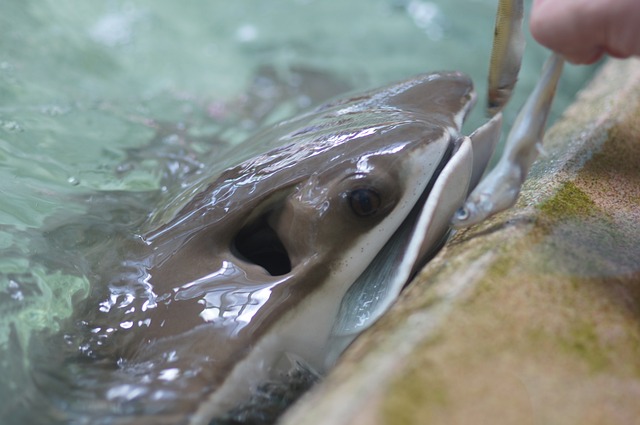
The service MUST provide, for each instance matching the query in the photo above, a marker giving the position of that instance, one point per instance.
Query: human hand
(583, 30)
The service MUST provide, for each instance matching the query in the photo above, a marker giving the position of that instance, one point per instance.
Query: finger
(569, 27)
(582, 30)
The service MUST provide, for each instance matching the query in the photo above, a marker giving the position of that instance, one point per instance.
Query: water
(110, 108)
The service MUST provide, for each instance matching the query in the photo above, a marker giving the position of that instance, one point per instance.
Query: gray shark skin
(255, 274)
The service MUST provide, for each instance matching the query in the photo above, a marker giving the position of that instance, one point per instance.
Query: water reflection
(229, 296)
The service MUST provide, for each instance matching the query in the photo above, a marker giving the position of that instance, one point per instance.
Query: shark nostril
(258, 243)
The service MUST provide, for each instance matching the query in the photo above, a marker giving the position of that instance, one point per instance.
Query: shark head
(294, 249)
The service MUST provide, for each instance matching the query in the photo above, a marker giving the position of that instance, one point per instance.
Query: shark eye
(364, 202)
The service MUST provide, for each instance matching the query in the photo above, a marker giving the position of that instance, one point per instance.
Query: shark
(275, 264)
(300, 240)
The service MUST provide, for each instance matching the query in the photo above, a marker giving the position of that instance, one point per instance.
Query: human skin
(584, 30)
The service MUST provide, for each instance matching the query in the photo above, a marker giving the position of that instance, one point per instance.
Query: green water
(87, 87)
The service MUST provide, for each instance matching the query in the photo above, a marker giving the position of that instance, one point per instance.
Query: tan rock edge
(530, 318)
